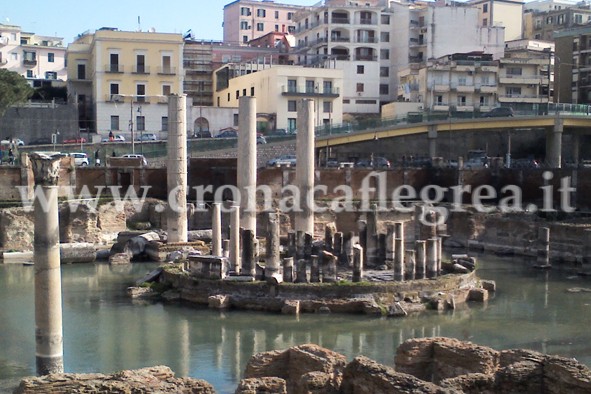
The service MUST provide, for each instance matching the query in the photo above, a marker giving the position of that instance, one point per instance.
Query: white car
(136, 156)
(117, 138)
(80, 159)
(16, 141)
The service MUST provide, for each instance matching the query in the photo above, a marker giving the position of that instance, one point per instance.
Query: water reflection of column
(184, 354)
(546, 289)
(219, 349)
(48, 287)
(237, 352)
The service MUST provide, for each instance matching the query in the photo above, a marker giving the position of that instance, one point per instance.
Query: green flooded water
(105, 331)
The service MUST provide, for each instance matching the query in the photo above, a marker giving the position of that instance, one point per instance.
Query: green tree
(14, 89)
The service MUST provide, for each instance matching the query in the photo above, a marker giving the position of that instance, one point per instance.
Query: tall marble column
(235, 239)
(48, 288)
(178, 225)
(304, 174)
(216, 229)
(247, 162)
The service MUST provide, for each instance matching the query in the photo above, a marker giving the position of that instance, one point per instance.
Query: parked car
(136, 156)
(117, 138)
(289, 160)
(525, 163)
(498, 112)
(41, 141)
(146, 137)
(378, 162)
(332, 163)
(80, 159)
(475, 163)
(227, 134)
(16, 141)
(278, 132)
(261, 140)
(79, 140)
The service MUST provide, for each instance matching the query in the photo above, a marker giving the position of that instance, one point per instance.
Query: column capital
(45, 168)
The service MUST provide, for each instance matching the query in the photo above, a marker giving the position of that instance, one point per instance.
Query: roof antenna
(139, 25)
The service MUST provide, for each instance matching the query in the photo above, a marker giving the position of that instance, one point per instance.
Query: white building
(278, 89)
(551, 5)
(40, 59)
(501, 13)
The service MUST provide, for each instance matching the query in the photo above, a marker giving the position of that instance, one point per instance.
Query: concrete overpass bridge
(574, 120)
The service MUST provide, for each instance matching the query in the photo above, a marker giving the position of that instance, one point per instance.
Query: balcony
(465, 88)
(523, 79)
(440, 107)
(367, 40)
(367, 21)
(521, 98)
(339, 39)
(464, 68)
(366, 57)
(139, 69)
(488, 88)
(114, 68)
(340, 20)
(439, 87)
(491, 68)
(295, 91)
(464, 108)
(141, 99)
(114, 98)
(167, 70)
(29, 62)
(415, 42)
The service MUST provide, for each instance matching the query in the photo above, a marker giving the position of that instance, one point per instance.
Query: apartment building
(461, 83)
(524, 75)
(245, 20)
(572, 66)
(542, 25)
(352, 37)
(39, 59)
(501, 13)
(120, 80)
(278, 88)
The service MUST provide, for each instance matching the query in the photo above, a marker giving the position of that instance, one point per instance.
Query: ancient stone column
(308, 239)
(48, 288)
(420, 256)
(249, 254)
(347, 256)
(371, 243)
(544, 246)
(399, 252)
(304, 173)
(247, 162)
(315, 269)
(410, 265)
(216, 229)
(418, 215)
(177, 223)
(288, 269)
(357, 263)
(301, 271)
(291, 244)
(226, 248)
(439, 254)
(299, 244)
(329, 232)
(431, 259)
(235, 239)
(273, 246)
(390, 245)
(329, 267)
(362, 225)
(337, 245)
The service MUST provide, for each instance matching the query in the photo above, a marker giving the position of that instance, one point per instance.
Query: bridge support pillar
(432, 137)
(554, 144)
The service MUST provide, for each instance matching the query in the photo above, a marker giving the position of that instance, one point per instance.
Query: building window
(289, 16)
(235, 120)
(327, 87)
(309, 86)
(462, 81)
(485, 22)
(385, 19)
(360, 69)
(384, 88)
(578, 19)
(384, 71)
(291, 124)
(484, 100)
(291, 29)
(560, 20)
(166, 90)
(165, 123)
(140, 123)
(114, 122)
(14, 56)
(385, 36)
(140, 64)
(114, 62)
(29, 73)
(292, 86)
(243, 25)
(485, 8)
(237, 94)
(514, 71)
(549, 20)
(261, 13)
(50, 75)
(260, 26)
(252, 91)
(461, 101)
(291, 106)
(244, 92)
(140, 90)
(81, 71)
(50, 57)
(360, 87)
(114, 89)
(438, 100)
(513, 91)
(244, 11)
(326, 107)
(276, 14)
(384, 54)
(276, 27)
(245, 39)
(228, 97)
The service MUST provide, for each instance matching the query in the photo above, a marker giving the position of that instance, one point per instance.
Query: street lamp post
(131, 124)
(139, 110)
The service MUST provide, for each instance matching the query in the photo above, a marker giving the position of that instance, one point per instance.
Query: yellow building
(278, 88)
(120, 80)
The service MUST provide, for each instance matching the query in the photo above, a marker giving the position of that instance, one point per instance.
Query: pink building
(245, 20)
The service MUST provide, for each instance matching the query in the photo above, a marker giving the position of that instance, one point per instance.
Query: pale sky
(68, 18)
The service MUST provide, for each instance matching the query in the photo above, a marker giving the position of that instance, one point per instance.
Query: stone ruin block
(208, 267)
